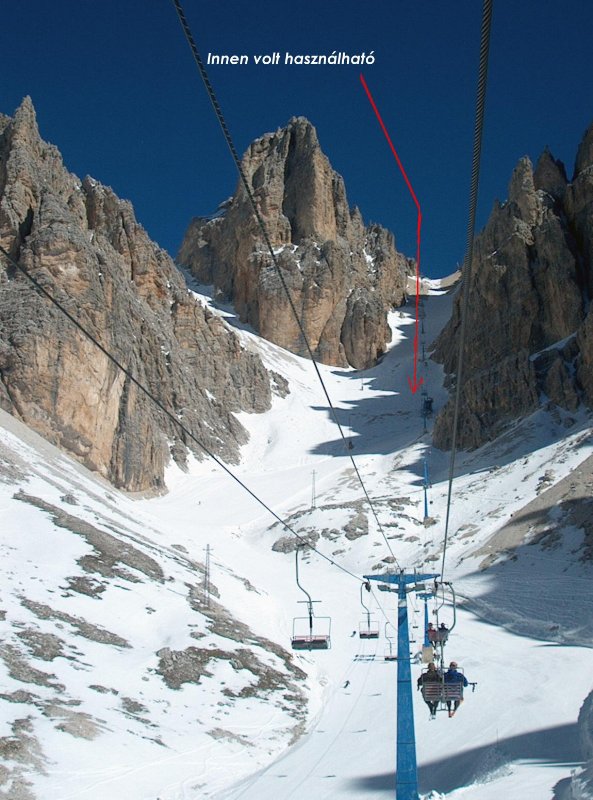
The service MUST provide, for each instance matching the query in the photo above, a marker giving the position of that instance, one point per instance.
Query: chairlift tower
(426, 597)
(425, 484)
(206, 584)
(423, 397)
(406, 777)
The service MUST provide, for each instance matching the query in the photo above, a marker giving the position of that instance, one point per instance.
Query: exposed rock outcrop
(84, 245)
(529, 336)
(343, 276)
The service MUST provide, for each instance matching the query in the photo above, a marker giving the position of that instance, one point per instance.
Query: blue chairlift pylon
(425, 486)
(427, 644)
(406, 777)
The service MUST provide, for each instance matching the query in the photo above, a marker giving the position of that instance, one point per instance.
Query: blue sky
(116, 89)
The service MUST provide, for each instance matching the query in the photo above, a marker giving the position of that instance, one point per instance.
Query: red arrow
(414, 383)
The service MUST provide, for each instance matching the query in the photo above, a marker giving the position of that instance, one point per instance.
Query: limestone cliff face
(343, 276)
(84, 245)
(529, 336)
(578, 203)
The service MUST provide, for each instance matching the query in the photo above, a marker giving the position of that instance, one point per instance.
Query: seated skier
(432, 633)
(453, 676)
(442, 633)
(431, 676)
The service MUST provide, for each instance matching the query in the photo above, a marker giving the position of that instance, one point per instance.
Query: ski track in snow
(524, 629)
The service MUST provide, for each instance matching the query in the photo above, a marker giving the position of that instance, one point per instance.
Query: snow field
(520, 631)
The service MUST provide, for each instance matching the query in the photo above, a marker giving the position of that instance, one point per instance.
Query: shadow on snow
(554, 746)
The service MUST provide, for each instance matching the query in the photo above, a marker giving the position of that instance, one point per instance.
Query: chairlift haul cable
(467, 265)
(222, 122)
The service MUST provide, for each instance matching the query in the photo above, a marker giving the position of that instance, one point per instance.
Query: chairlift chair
(390, 651)
(442, 691)
(442, 633)
(310, 632)
(368, 628)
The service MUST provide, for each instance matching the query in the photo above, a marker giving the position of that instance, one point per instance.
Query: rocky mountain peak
(25, 117)
(529, 336)
(85, 246)
(343, 275)
(584, 158)
(23, 126)
(579, 204)
(288, 171)
(522, 191)
(550, 175)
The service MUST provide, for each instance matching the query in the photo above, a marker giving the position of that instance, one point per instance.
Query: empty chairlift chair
(310, 632)
(368, 628)
(390, 648)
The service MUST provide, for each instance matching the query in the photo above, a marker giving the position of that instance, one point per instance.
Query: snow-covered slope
(118, 673)
(149, 693)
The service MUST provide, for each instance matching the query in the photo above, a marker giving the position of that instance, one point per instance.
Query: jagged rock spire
(527, 335)
(343, 276)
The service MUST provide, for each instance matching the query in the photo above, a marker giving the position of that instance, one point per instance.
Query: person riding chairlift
(442, 633)
(432, 633)
(432, 675)
(452, 675)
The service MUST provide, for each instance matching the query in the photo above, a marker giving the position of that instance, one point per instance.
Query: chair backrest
(305, 638)
(368, 630)
(436, 690)
(453, 691)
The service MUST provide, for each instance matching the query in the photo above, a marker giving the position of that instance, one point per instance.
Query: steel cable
(467, 264)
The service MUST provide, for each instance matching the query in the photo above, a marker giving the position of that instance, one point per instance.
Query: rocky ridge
(343, 276)
(530, 326)
(84, 245)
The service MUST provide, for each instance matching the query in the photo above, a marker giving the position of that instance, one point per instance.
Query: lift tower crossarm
(426, 596)
(406, 778)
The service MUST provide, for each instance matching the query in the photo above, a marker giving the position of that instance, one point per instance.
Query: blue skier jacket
(453, 676)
